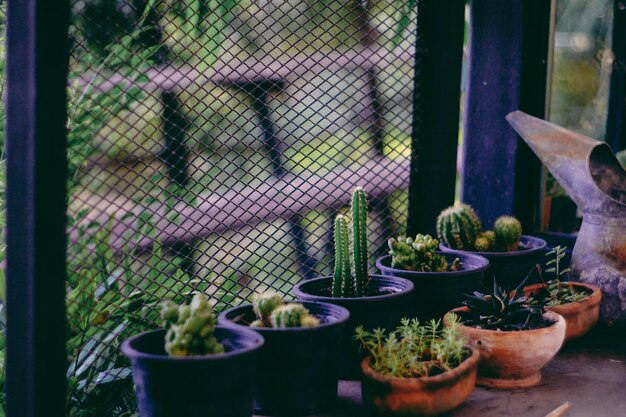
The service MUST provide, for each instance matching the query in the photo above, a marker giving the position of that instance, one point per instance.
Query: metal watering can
(589, 172)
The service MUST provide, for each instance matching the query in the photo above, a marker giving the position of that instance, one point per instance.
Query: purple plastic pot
(194, 386)
(298, 367)
(436, 293)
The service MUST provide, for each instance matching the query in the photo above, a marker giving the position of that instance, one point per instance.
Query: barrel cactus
(508, 232)
(189, 328)
(458, 226)
(293, 315)
(263, 305)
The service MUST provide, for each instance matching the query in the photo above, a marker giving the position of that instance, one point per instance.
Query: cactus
(343, 284)
(359, 240)
(485, 241)
(190, 328)
(458, 226)
(508, 232)
(293, 315)
(264, 304)
(419, 254)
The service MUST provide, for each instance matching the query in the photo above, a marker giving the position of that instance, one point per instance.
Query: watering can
(589, 172)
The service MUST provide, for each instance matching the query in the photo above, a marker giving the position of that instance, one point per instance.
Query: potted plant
(416, 370)
(298, 367)
(372, 300)
(515, 340)
(510, 253)
(577, 302)
(440, 278)
(193, 368)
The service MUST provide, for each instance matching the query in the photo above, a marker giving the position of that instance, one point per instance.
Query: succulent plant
(508, 232)
(502, 310)
(485, 241)
(350, 278)
(189, 328)
(263, 305)
(293, 315)
(458, 226)
(419, 254)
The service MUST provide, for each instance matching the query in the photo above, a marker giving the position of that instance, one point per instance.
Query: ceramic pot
(513, 359)
(426, 396)
(580, 316)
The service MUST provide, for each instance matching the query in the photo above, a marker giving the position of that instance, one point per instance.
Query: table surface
(589, 373)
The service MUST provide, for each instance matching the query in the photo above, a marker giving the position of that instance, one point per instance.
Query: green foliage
(556, 291)
(508, 232)
(458, 226)
(419, 254)
(190, 328)
(501, 310)
(414, 350)
(272, 312)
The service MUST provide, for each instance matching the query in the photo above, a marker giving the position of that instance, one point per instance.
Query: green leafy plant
(556, 291)
(351, 278)
(272, 312)
(503, 310)
(413, 350)
(419, 254)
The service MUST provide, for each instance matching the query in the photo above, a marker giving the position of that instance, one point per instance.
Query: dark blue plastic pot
(194, 386)
(510, 268)
(298, 367)
(383, 310)
(436, 293)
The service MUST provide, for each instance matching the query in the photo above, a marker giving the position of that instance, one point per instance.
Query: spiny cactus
(458, 226)
(343, 281)
(190, 328)
(263, 305)
(293, 315)
(350, 278)
(485, 241)
(419, 254)
(359, 240)
(508, 233)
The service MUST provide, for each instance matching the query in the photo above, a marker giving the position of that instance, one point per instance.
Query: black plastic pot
(384, 310)
(436, 293)
(298, 367)
(194, 386)
(510, 268)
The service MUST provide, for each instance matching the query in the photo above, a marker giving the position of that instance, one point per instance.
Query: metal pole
(37, 59)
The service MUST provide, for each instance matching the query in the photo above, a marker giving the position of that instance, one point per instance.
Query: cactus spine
(508, 232)
(190, 328)
(359, 240)
(458, 226)
(293, 315)
(263, 305)
(342, 278)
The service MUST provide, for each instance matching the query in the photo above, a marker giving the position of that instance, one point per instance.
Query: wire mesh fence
(211, 144)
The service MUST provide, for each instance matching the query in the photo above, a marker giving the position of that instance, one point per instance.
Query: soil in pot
(580, 316)
(425, 396)
(513, 359)
(510, 268)
(437, 293)
(390, 299)
(194, 386)
(298, 367)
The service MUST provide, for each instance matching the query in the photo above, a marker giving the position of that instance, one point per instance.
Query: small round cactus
(508, 231)
(419, 254)
(293, 315)
(485, 242)
(190, 328)
(264, 304)
(458, 226)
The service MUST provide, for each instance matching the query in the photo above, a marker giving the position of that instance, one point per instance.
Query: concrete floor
(589, 373)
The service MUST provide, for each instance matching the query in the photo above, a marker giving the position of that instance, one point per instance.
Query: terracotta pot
(513, 359)
(579, 317)
(427, 396)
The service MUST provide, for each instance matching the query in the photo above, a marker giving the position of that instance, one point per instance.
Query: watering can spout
(586, 168)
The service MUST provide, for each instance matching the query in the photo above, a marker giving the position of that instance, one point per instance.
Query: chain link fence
(211, 144)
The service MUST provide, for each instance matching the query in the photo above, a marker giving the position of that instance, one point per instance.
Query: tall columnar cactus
(190, 328)
(293, 315)
(359, 240)
(343, 282)
(458, 226)
(508, 233)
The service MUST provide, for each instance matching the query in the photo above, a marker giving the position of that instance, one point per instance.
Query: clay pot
(579, 317)
(426, 396)
(513, 359)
